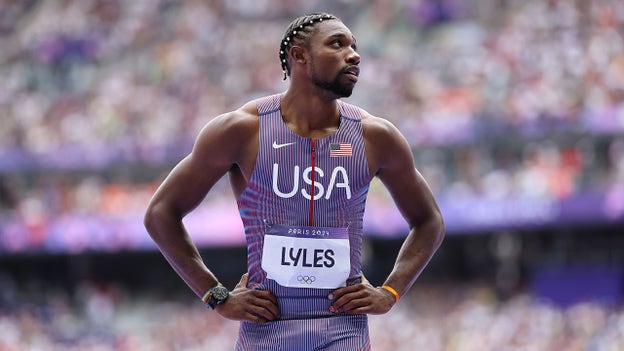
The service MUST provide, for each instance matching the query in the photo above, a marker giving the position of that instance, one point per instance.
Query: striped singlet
(280, 192)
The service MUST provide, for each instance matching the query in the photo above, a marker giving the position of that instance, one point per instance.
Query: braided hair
(298, 32)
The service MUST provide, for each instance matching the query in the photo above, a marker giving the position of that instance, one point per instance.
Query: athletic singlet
(280, 195)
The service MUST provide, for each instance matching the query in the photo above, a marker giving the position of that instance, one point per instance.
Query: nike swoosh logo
(278, 146)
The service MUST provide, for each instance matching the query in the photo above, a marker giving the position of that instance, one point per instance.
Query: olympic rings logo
(306, 279)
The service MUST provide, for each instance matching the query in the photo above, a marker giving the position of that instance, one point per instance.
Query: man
(300, 164)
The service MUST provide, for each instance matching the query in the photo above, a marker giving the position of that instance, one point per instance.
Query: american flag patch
(340, 149)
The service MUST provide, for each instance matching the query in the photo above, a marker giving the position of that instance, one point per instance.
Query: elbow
(149, 219)
(440, 227)
(431, 226)
(154, 219)
(160, 220)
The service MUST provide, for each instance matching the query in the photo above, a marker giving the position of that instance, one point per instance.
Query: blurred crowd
(433, 317)
(94, 82)
(99, 98)
(499, 99)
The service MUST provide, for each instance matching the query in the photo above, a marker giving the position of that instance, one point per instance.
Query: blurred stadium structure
(514, 109)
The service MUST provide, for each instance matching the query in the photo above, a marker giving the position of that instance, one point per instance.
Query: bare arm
(415, 200)
(183, 189)
(391, 160)
(221, 145)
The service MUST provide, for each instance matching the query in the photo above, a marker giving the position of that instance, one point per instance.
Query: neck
(310, 114)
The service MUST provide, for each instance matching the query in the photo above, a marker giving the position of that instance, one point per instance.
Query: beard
(333, 86)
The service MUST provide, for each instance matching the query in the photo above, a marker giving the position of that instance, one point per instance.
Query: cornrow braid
(298, 32)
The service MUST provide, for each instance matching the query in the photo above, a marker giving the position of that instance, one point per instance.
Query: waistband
(301, 303)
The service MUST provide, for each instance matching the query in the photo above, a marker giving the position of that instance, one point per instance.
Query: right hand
(244, 304)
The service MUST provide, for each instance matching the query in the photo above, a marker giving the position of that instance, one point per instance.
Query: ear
(298, 54)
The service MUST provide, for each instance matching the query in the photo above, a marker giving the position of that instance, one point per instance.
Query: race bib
(306, 257)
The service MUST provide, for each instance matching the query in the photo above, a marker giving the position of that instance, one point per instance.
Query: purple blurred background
(514, 110)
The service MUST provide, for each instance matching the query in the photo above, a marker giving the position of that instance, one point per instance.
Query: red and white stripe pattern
(340, 149)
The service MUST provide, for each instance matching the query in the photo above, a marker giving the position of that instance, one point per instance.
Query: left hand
(362, 298)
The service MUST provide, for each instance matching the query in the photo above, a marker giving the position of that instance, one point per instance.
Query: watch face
(219, 293)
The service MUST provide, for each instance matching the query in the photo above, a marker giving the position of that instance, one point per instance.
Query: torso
(277, 190)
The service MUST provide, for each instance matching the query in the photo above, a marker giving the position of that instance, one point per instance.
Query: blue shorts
(336, 333)
(305, 324)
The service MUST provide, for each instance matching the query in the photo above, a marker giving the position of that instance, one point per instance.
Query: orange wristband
(391, 290)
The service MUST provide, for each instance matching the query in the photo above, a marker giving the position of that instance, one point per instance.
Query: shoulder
(230, 134)
(244, 117)
(386, 146)
(378, 128)
(238, 124)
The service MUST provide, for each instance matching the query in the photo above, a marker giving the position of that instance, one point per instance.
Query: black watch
(217, 295)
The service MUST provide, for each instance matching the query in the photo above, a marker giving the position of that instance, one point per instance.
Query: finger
(266, 295)
(243, 281)
(265, 308)
(267, 302)
(360, 310)
(255, 318)
(345, 303)
(356, 303)
(245, 305)
(263, 313)
(263, 299)
(340, 302)
(338, 293)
